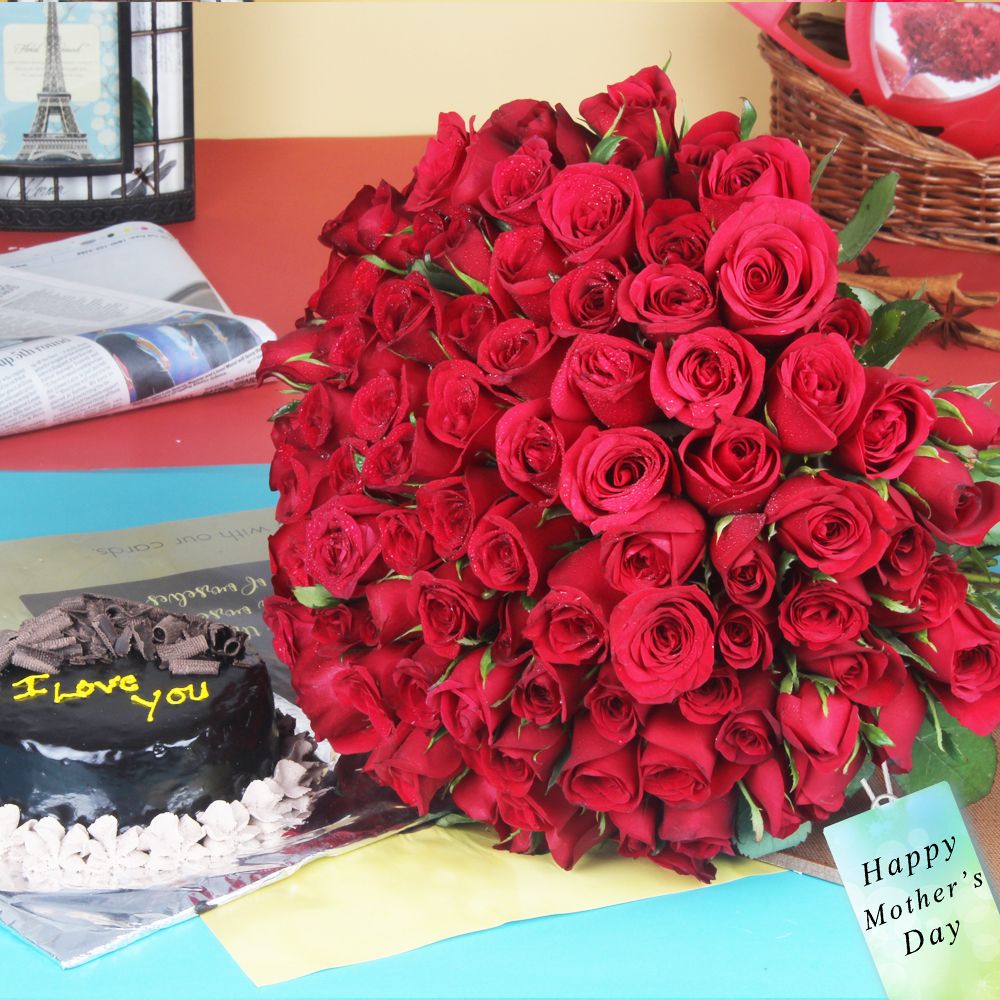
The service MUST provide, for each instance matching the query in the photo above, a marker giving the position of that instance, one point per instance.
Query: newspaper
(77, 339)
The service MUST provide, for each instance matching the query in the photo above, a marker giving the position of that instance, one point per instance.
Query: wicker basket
(945, 196)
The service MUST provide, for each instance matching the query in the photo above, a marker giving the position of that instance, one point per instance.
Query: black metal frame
(59, 214)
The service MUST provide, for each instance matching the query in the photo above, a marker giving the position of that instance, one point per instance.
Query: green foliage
(894, 326)
(751, 840)
(876, 206)
(748, 118)
(315, 597)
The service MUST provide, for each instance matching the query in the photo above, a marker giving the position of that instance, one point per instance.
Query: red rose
(324, 415)
(903, 566)
(467, 320)
(934, 596)
(900, 719)
(517, 183)
(405, 687)
(377, 406)
(462, 408)
(820, 792)
(292, 359)
(406, 544)
(833, 525)
(471, 709)
(291, 625)
(346, 347)
(814, 392)
(570, 623)
(667, 299)
(414, 766)
(615, 471)
(407, 313)
(519, 357)
(435, 175)
(981, 427)
(548, 692)
(288, 549)
(606, 378)
(387, 603)
(517, 121)
(344, 547)
(730, 468)
(462, 246)
(584, 300)
(641, 108)
(520, 754)
(599, 774)
(614, 713)
(388, 464)
(776, 264)
(530, 444)
(656, 547)
(707, 376)
(749, 734)
(450, 508)
(818, 614)
(693, 836)
(679, 764)
(847, 318)
(519, 280)
(593, 210)
(768, 785)
(296, 475)
(697, 149)
(673, 233)
(743, 638)
(964, 652)
(347, 286)
(637, 829)
(715, 699)
(952, 507)
(745, 561)
(450, 607)
(514, 546)
(362, 225)
(893, 421)
(823, 729)
(871, 674)
(663, 642)
(766, 165)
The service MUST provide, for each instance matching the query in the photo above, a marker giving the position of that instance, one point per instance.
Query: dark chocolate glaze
(82, 758)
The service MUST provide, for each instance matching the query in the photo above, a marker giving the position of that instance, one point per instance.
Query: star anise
(951, 322)
(868, 263)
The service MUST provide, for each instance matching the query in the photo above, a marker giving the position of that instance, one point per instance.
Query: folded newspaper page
(72, 349)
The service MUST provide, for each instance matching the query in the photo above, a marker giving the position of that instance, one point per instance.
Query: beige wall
(378, 67)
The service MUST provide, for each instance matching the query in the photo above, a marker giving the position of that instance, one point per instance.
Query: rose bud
(614, 713)
(665, 300)
(477, 798)
(663, 642)
(697, 149)
(847, 318)
(870, 674)
(833, 525)
(743, 638)
(515, 122)
(387, 602)
(744, 561)
(615, 471)
(679, 764)
(517, 183)
(707, 376)
(817, 614)
(291, 359)
(656, 547)
(547, 692)
(296, 475)
(820, 792)
(406, 685)
(637, 829)
(520, 754)
(520, 358)
(408, 317)
(288, 549)
(585, 300)
(462, 408)
(291, 626)
(964, 653)
(344, 547)
(769, 787)
(904, 564)
(981, 426)
(347, 286)
(714, 700)
(530, 445)
(435, 175)
(450, 508)
(511, 644)
(894, 419)
(363, 223)
(406, 543)
(471, 709)
(900, 719)
(569, 831)
(599, 774)
(592, 210)
(951, 506)
(350, 348)
(519, 279)
(450, 607)
(514, 545)
(672, 233)
(731, 468)
(814, 392)
(765, 165)
(377, 406)
(466, 322)
(641, 108)
(414, 766)
(825, 730)
(935, 596)
(749, 734)
(790, 244)
(462, 246)
(604, 378)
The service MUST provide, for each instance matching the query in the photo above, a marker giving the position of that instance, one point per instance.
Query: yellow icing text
(151, 705)
(32, 684)
(175, 696)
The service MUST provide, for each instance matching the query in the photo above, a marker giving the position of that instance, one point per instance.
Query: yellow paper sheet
(411, 890)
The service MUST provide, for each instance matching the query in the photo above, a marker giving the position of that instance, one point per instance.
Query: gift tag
(921, 896)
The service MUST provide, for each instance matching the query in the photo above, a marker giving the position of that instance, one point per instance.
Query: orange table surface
(260, 205)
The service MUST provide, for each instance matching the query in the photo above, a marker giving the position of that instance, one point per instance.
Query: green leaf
(868, 300)
(662, 146)
(722, 524)
(359, 461)
(473, 283)
(971, 770)
(876, 206)
(894, 326)
(977, 391)
(750, 845)
(315, 597)
(897, 606)
(748, 118)
(890, 637)
(609, 142)
(946, 409)
(383, 265)
(820, 167)
(880, 486)
(455, 819)
(876, 736)
(410, 631)
(929, 451)
(486, 664)
(282, 411)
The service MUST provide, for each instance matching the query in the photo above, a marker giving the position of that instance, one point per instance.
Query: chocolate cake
(113, 707)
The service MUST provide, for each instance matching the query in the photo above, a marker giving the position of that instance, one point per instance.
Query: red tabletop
(261, 203)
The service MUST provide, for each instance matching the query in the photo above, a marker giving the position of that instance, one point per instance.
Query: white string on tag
(888, 796)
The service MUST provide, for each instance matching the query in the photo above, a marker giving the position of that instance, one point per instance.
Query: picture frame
(96, 114)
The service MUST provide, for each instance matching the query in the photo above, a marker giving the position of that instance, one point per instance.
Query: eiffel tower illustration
(54, 133)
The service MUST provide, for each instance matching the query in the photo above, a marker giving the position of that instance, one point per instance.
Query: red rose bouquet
(601, 516)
